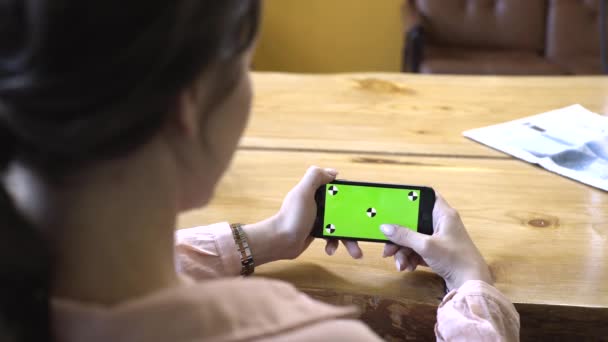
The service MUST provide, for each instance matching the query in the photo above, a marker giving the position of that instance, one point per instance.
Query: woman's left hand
(288, 232)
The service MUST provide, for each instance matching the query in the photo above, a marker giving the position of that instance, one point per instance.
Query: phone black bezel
(425, 218)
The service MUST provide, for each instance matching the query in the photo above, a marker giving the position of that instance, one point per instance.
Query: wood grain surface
(544, 236)
(403, 113)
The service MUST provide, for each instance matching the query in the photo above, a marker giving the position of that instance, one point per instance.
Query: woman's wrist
(481, 273)
(262, 237)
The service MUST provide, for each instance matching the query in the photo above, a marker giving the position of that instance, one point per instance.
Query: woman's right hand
(449, 252)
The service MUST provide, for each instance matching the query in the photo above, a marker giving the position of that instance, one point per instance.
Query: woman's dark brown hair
(82, 81)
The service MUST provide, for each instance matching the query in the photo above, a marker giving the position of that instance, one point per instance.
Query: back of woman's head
(82, 81)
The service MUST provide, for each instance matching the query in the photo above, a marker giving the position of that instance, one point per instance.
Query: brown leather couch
(513, 37)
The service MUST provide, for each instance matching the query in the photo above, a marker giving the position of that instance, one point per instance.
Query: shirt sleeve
(476, 312)
(207, 252)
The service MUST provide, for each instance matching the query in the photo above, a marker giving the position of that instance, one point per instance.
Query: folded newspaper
(571, 141)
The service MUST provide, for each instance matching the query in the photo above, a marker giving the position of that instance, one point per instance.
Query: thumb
(316, 176)
(405, 237)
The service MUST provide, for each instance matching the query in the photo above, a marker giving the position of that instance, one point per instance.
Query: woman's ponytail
(86, 83)
(24, 266)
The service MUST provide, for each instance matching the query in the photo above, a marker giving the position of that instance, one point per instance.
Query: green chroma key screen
(355, 211)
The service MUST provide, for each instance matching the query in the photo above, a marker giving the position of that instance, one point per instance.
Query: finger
(405, 237)
(332, 172)
(440, 202)
(331, 246)
(412, 260)
(440, 209)
(401, 259)
(389, 250)
(316, 176)
(418, 260)
(406, 251)
(353, 248)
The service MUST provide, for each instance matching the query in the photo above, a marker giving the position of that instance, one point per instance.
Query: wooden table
(544, 236)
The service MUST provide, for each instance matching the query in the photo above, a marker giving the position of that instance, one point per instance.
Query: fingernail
(387, 229)
(331, 250)
(332, 172)
(398, 264)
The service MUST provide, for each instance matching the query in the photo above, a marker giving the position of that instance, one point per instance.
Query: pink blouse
(228, 308)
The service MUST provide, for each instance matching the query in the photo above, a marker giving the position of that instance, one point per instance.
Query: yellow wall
(330, 36)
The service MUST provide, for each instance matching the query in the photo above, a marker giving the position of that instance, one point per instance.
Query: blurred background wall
(321, 36)
(486, 37)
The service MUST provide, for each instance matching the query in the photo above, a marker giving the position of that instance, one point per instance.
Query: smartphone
(355, 210)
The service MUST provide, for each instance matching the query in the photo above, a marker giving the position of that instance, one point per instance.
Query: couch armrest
(413, 45)
(410, 16)
(413, 50)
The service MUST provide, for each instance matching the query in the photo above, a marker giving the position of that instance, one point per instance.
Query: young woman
(117, 115)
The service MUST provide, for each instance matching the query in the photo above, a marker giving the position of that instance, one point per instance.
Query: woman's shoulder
(229, 309)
